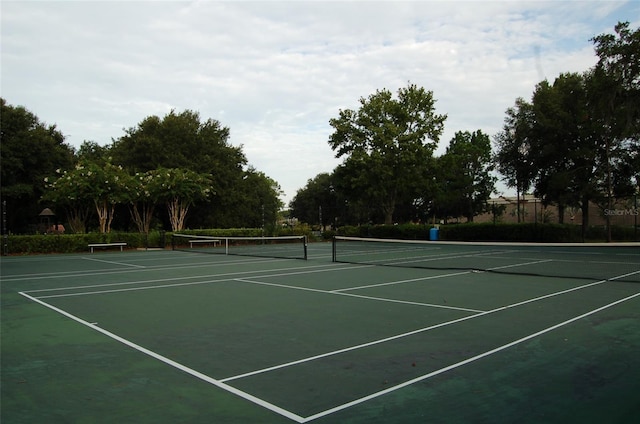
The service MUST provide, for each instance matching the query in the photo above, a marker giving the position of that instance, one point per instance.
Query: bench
(105, 245)
(213, 241)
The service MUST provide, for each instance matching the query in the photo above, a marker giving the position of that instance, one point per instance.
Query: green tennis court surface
(173, 336)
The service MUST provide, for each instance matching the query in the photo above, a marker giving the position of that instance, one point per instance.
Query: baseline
(410, 333)
(466, 361)
(177, 365)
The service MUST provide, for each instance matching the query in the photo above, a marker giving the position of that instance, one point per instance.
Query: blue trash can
(433, 234)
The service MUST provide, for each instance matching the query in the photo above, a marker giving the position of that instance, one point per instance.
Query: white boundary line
(281, 411)
(113, 262)
(382, 299)
(333, 267)
(288, 414)
(464, 362)
(89, 273)
(411, 333)
(193, 283)
(174, 364)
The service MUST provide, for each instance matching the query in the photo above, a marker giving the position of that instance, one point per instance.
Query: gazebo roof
(47, 212)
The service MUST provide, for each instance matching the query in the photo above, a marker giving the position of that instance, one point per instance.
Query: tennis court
(349, 335)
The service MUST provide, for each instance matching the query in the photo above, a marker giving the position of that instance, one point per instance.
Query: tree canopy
(386, 143)
(30, 150)
(577, 141)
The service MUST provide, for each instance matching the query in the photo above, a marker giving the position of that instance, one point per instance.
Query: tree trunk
(105, 215)
(585, 216)
(142, 216)
(177, 213)
(561, 209)
(77, 219)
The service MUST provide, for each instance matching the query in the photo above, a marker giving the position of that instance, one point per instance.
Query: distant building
(624, 212)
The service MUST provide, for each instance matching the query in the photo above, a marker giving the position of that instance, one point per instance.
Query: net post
(333, 249)
(305, 241)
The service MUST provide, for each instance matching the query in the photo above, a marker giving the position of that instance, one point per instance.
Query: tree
(513, 145)
(466, 175)
(614, 100)
(104, 185)
(258, 200)
(143, 193)
(180, 188)
(65, 190)
(317, 203)
(183, 140)
(30, 151)
(388, 141)
(565, 147)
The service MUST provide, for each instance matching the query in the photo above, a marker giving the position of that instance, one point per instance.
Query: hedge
(529, 232)
(75, 243)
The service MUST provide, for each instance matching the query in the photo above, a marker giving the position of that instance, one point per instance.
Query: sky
(276, 72)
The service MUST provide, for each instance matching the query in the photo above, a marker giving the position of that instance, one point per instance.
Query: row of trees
(177, 161)
(456, 184)
(575, 142)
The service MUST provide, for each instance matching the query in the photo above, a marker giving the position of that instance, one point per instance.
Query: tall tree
(387, 141)
(29, 151)
(565, 148)
(513, 145)
(614, 103)
(466, 175)
(258, 200)
(317, 202)
(183, 140)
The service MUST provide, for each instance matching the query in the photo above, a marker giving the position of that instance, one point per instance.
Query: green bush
(526, 232)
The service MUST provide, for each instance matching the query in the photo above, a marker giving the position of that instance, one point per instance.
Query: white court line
(160, 280)
(522, 264)
(464, 362)
(410, 333)
(73, 274)
(174, 364)
(113, 262)
(193, 283)
(221, 383)
(382, 299)
(391, 283)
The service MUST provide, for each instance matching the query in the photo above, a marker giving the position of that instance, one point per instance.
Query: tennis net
(619, 261)
(286, 247)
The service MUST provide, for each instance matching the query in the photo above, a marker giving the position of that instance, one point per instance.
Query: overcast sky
(275, 72)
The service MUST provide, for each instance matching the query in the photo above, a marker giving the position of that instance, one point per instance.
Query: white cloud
(276, 72)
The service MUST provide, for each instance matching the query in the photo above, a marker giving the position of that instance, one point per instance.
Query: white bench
(105, 245)
(213, 241)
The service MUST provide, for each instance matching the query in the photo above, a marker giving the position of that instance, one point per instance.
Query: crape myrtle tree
(182, 140)
(179, 189)
(30, 150)
(386, 144)
(102, 184)
(143, 194)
